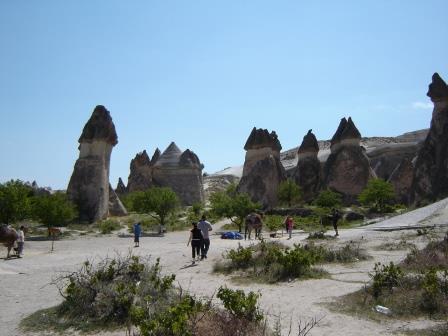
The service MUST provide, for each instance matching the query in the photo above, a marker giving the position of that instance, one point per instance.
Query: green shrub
(241, 257)
(109, 225)
(385, 277)
(241, 305)
(328, 199)
(274, 222)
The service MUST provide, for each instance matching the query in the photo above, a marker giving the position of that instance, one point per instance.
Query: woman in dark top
(196, 241)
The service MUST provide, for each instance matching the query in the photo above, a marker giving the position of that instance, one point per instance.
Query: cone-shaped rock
(308, 171)
(182, 172)
(140, 176)
(347, 169)
(116, 208)
(262, 172)
(431, 167)
(121, 188)
(155, 156)
(89, 184)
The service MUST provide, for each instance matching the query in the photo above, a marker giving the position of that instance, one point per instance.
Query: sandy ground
(25, 282)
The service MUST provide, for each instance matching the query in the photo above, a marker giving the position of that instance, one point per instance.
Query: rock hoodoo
(89, 186)
(140, 176)
(263, 171)
(308, 171)
(347, 169)
(431, 167)
(181, 171)
(121, 188)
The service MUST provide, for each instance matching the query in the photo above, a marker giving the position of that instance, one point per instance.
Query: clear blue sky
(203, 73)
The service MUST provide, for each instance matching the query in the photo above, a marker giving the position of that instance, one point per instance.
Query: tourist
(205, 227)
(137, 234)
(20, 241)
(289, 225)
(196, 241)
(335, 216)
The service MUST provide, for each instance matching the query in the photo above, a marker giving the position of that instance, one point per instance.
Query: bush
(109, 225)
(289, 192)
(377, 194)
(274, 222)
(241, 305)
(15, 200)
(385, 277)
(328, 199)
(53, 210)
(241, 257)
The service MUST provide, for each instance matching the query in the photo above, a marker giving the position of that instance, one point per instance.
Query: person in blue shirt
(137, 234)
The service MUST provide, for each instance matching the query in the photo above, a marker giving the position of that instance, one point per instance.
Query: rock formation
(181, 171)
(140, 176)
(308, 171)
(401, 179)
(347, 169)
(89, 186)
(431, 167)
(116, 208)
(262, 172)
(121, 188)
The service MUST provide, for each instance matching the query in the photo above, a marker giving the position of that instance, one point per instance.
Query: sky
(204, 73)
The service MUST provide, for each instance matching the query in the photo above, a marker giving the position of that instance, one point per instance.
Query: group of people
(200, 239)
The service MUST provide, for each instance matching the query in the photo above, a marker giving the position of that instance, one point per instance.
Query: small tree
(289, 192)
(232, 205)
(377, 193)
(328, 199)
(161, 201)
(53, 210)
(14, 201)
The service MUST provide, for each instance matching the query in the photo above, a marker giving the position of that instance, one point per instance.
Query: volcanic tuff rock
(347, 169)
(308, 171)
(262, 172)
(121, 188)
(431, 167)
(401, 179)
(182, 172)
(140, 176)
(116, 208)
(89, 184)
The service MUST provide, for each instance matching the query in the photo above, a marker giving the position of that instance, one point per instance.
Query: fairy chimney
(431, 167)
(140, 176)
(182, 172)
(347, 169)
(89, 184)
(308, 171)
(262, 171)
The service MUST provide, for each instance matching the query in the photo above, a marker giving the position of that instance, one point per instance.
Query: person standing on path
(205, 227)
(289, 225)
(20, 241)
(196, 241)
(335, 216)
(137, 234)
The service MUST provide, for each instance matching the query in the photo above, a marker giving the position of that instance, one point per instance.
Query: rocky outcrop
(262, 172)
(155, 156)
(140, 176)
(89, 184)
(116, 208)
(121, 188)
(431, 166)
(347, 168)
(308, 171)
(182, 172)
(401, 179)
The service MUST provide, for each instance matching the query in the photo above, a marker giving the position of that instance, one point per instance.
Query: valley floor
(25, 283)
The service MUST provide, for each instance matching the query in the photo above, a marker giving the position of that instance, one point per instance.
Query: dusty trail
(24, 282)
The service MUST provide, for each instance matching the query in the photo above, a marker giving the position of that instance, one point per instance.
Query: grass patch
(403, 244)
(441, 330)
(109, 225)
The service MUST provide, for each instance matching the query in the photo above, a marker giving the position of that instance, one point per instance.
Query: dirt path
(25, 282)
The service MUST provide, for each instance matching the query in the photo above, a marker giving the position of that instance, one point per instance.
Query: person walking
(137, 234)
(289, 225)
(196, 241)
(20, 241)
(205, 227)
(335, 216)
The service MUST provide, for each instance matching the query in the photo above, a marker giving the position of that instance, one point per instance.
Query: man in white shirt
(205, 227)
(20, 241)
